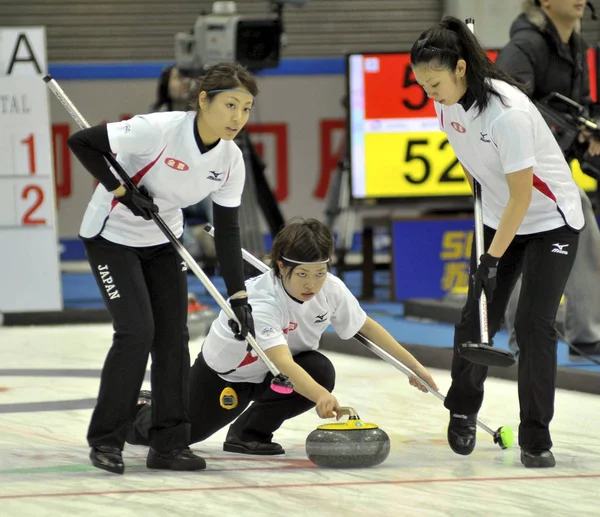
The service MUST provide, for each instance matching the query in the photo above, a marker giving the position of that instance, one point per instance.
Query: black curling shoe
(177, 459)
(234, 444)
(107, 458)
(537, 459)
(462, 431)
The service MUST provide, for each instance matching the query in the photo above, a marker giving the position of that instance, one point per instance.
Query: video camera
(225, 35)
(566, 123)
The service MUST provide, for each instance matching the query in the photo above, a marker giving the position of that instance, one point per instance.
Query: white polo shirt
(505, 139)
(280, 320)
(159, 151)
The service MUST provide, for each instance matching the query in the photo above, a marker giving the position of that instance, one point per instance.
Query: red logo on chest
(292, 326)
(176, 164)
(458, 127)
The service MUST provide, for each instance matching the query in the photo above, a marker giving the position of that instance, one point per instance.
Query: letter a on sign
(22, 51)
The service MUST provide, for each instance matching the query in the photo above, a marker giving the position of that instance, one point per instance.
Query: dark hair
(162, 92)
(222, 76)
(305, 240)
(444, 44)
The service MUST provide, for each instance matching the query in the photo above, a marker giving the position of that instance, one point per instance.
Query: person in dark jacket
(547, 53)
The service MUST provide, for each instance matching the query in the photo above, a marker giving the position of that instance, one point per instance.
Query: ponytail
(444, 44)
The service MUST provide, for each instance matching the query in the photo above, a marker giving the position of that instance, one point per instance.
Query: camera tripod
(257, 196)
(339, 208)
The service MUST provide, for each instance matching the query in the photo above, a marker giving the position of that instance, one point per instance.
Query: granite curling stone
(350, 444)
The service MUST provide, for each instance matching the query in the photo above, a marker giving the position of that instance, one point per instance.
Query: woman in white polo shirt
(293, 304)
(177, 159)
(532, 215)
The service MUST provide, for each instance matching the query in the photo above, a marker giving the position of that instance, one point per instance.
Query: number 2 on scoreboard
(420, 149)
(35, 192)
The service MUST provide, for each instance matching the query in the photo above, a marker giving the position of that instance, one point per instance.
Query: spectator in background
(173, 92)
(547, 53)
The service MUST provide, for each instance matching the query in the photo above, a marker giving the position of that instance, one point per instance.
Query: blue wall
(152, 70)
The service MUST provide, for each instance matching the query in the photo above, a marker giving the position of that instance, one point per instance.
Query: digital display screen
(397, 149)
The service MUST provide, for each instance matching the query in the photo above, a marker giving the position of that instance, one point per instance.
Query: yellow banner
(422, 164)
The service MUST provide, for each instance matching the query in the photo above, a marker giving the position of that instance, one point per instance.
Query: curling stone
(350, 444)
(200, 317)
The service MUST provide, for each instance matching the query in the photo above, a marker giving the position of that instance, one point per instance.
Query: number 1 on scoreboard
(30, 143)
(18, 155)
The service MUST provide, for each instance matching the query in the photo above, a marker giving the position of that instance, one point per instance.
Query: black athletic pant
(546, 259)
(259, 421)
(145, 291)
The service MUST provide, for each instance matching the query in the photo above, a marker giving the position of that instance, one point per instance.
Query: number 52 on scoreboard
(422, 164)
(416, 164)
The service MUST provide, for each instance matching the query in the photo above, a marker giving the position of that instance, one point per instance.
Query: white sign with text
(29, 256)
